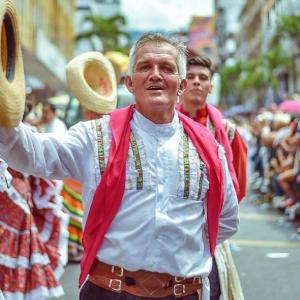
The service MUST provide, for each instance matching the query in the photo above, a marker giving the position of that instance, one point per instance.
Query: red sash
(109, 193)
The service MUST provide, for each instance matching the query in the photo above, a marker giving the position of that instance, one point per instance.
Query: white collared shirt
(155, 228)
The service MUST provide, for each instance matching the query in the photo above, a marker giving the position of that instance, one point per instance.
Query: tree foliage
(289, 27)
(257, 73)
(109, 30)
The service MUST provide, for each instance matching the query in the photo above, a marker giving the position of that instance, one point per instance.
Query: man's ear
(182, 87)
(211, 88)
(129, 84)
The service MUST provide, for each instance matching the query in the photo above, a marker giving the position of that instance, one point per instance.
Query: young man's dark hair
(201, 61)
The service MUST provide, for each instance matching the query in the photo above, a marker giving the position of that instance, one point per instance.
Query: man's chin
(159, 100)
(198, 102)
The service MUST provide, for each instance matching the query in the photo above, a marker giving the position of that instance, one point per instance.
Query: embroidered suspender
(100, 147)
(138, 163)
(202, 168)
(186, 163)
(210, 126)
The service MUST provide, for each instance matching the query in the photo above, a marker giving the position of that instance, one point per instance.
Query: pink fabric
(239, 151)
(109, 193)
(221, 136)
(290, 106)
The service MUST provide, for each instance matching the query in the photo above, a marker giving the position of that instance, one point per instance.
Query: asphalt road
(69, 282)
(266, 254)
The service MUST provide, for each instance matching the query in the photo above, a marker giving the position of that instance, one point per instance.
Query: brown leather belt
(143, 283)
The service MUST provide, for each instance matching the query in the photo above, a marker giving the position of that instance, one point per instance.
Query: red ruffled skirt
(33, 239)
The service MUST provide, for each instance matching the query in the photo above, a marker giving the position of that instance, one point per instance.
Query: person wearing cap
(193, 103)
(157, 196)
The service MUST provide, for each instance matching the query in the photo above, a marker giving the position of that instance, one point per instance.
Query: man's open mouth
(154, 88)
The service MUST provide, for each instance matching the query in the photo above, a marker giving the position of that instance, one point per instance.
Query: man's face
(47, 114)
(155, 82)
(198, 86)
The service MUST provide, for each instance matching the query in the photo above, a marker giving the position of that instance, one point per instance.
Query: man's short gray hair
(159, 38)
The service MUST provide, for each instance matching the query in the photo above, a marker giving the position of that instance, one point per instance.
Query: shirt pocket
(183, 210)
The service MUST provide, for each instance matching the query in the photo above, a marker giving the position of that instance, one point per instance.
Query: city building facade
(47, 38)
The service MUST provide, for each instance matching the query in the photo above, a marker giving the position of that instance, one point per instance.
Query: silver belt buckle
(178, 289)
(115, 285)
(115, 271)
(179, 279)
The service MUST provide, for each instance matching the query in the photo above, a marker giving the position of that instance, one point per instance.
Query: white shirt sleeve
(49, 155)
(229, 219)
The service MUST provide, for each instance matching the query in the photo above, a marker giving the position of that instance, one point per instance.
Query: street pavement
(268, 261)
(266, 254)
(70, 282)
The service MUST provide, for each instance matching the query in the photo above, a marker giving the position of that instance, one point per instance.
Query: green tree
(229, 76)
(262, 71)
(288, 28)
(257, 74)
(109, 30)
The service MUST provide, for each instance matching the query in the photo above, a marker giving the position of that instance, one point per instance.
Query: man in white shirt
(157, 196)
(50, 122)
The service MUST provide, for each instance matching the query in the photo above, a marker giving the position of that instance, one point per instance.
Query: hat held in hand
(12, 82)
(91, 79)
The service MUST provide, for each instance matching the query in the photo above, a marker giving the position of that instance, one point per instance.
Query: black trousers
(90, 291)
(214, 282)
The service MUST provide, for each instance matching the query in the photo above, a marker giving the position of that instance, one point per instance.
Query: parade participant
(50, 122)
(33, 239)
(157, 193)
(194, 104)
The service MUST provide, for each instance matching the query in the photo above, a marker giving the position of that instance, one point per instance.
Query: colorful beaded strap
(100, 147)
(186, 163)
(202, 170)
(138, 162)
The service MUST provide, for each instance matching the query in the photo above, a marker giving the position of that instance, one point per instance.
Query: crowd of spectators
(274, 161)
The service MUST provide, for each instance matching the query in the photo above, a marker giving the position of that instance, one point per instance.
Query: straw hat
(12, 82)
(91, 79)
(119, 61)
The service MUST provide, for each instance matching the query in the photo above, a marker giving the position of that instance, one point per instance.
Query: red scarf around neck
(109, 193)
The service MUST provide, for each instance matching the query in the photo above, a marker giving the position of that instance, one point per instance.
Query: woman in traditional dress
(33, 236)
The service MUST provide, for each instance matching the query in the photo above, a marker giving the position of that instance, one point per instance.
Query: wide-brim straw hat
(12, 79)
(119, 61)
(91, 79)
